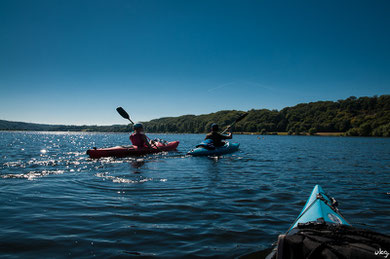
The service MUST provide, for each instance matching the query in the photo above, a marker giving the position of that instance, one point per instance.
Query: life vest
(138, 139)
(207, 144)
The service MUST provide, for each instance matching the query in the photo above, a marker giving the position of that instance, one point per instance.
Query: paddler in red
(138, 138)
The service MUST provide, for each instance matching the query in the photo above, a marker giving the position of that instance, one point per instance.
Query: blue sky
(74, 62)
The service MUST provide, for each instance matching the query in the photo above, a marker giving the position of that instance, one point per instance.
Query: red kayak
(123, 151)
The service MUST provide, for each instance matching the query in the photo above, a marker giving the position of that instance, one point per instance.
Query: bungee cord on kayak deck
(326, 199)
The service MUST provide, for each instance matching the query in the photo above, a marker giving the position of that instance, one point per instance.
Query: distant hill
(23, 126)
(364, 116)
(13, 125)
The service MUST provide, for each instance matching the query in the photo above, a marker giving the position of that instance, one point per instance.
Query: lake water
(57, 202)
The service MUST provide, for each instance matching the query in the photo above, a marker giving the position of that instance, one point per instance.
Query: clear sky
(74, 62)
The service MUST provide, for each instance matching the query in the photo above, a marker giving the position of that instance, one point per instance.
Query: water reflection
(138, 163)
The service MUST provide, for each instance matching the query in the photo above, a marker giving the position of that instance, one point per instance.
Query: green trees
(364, 116)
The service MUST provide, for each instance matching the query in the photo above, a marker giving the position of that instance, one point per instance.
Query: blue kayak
(321, 231)
(225, 149)
(320, 207)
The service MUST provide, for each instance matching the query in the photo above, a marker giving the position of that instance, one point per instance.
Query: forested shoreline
(364, 116)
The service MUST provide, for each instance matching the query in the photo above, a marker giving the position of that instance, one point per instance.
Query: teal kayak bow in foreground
(320, 207)
(321, 231)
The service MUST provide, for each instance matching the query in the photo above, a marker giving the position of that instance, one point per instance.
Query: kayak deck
(320, 231)
(123, 151)
(225, 149)
(319, 210)
(319, 206)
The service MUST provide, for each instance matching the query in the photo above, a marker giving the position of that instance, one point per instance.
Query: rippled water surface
(55, 201)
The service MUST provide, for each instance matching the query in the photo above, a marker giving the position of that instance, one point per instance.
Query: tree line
(364, 116)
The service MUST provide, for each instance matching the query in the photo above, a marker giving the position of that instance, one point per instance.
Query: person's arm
(228, 136)
(146, 141)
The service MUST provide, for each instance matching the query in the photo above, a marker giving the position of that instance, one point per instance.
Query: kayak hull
(319, 208)
(320, 231)
(124, 151)
(226, 149)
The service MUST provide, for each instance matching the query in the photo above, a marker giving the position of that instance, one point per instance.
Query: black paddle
(242, 116)
(126, 116)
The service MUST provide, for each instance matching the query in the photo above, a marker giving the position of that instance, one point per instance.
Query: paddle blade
(123, 113)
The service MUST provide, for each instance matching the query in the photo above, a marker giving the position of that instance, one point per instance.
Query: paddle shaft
(223, 132)
(237, 120)
(153, 143)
